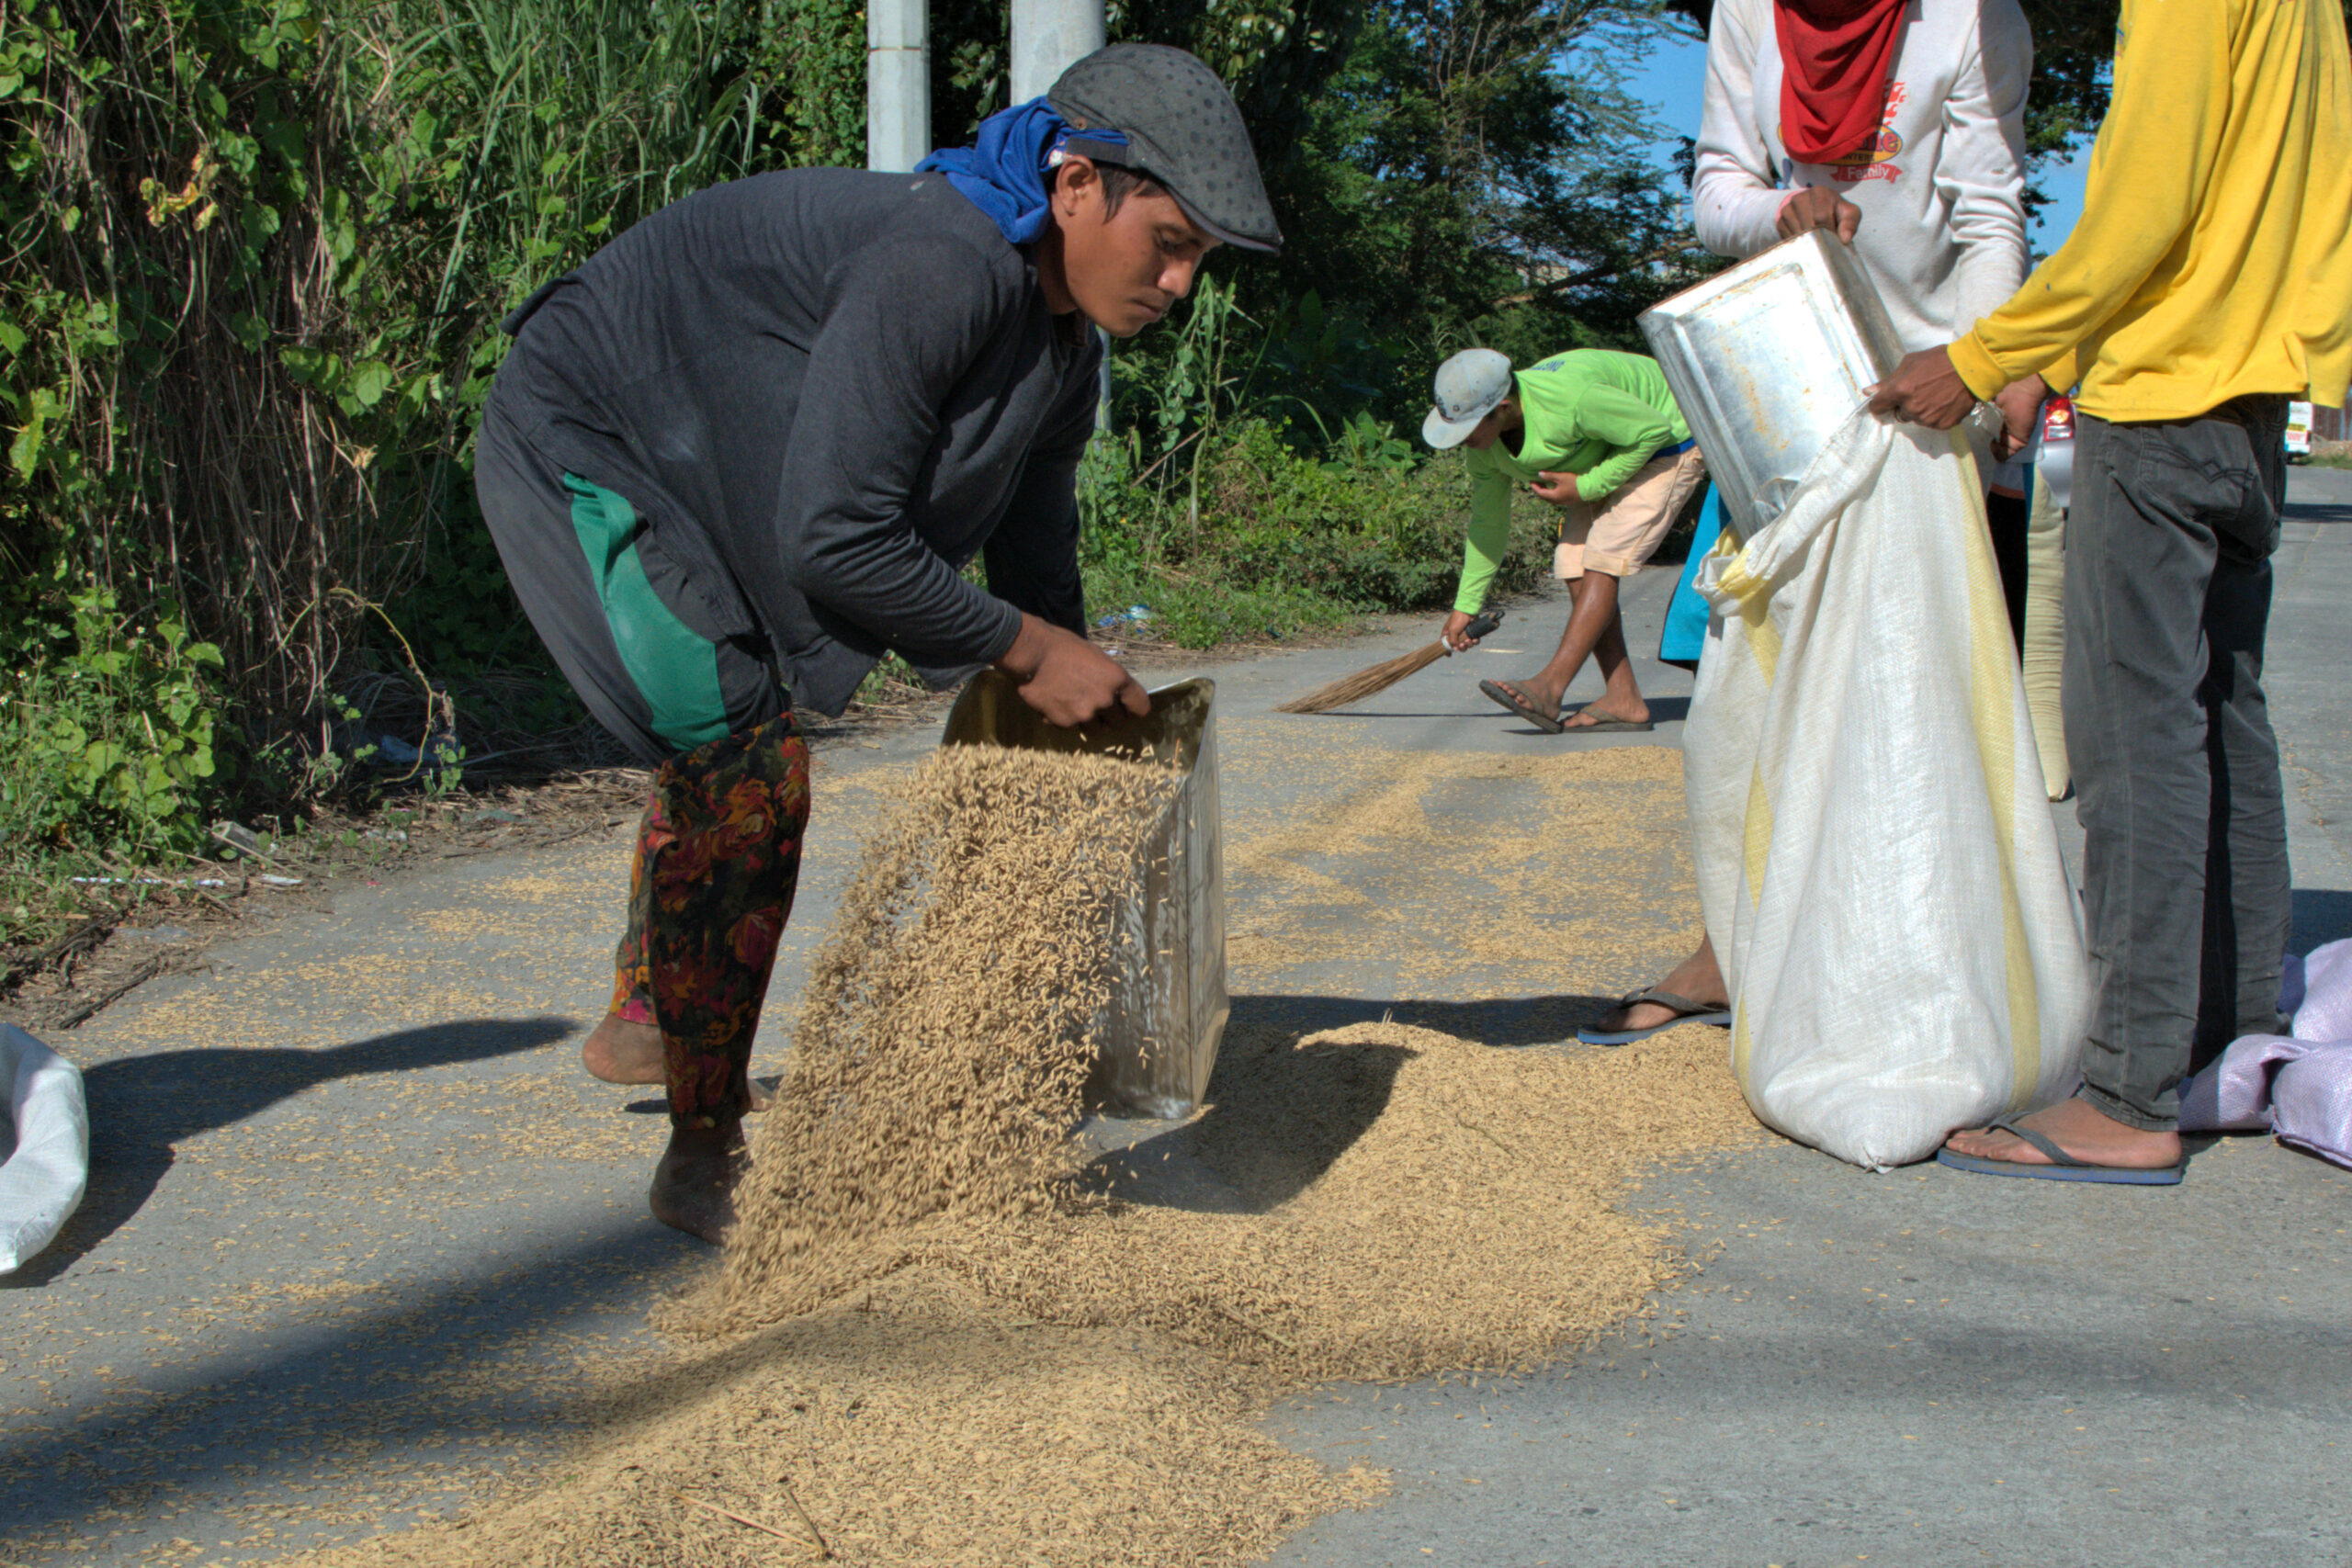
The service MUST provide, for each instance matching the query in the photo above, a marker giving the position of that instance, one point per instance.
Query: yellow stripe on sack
(1763, 637)
(1992, 691)
(1757, 848)
(1753, 597)
(1764, 645)
(1757, 842)
(1744, 586)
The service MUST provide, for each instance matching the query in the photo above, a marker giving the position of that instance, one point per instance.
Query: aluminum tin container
(1168, 1003)
(1769, 358)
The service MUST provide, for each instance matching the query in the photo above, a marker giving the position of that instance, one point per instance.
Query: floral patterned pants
(710, 889)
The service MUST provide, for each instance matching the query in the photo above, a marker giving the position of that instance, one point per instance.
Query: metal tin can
(1167, 1006)
(1766, 360)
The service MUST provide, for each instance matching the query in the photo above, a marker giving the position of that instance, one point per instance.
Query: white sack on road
(42, 1182)
(1875, 856)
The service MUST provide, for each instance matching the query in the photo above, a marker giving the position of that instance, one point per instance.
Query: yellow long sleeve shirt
(2214, 255)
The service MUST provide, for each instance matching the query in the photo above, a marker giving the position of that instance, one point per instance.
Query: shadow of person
(1280, 1112)
(1663, 710)
(1278, 1116)
(1506, 1023)
(2321, 916)
(141, 1107)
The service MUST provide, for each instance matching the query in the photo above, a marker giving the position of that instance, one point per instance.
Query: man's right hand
(1067, 678)
(1816, 208)
(2020, 404)
(1456, 624)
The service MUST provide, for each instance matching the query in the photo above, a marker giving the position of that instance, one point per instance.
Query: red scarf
(1836, 58)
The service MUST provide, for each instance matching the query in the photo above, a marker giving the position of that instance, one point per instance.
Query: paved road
(361, 1238)
(1929, 1368)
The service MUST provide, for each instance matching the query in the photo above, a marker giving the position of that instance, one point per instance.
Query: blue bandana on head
(1004, 173)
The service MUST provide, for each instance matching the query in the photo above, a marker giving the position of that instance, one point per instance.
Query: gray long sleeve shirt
(826, 392)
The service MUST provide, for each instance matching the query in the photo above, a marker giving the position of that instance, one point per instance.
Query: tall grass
(252, 256)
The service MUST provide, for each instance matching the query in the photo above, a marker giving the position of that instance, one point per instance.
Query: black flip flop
(1685, 1011)
(2063, 1167)
(1499, 692)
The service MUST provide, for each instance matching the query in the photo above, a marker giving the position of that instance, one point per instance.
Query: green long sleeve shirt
(1591, 413)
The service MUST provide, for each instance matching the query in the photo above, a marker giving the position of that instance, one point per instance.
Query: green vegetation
(253, 253)
(1228, 503)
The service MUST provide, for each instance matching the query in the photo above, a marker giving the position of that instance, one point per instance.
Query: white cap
(1469, 384)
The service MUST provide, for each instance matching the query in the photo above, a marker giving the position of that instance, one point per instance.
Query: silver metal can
(1167, 1006)
(1766, 360)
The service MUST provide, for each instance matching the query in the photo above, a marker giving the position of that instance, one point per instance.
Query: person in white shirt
(1933, 203)
(1901, 124)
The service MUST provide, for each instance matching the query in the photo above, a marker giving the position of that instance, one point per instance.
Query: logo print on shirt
(1888, 143)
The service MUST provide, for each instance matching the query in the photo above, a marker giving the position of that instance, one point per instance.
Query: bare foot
(618, 1051)
(1699, 977)
(693, 1187)
(1592, 713)
(2080, 1128)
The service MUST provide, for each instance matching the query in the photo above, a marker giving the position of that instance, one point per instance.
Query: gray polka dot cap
(1183, 129)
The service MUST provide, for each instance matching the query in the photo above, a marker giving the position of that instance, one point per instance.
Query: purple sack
(2297, 1087)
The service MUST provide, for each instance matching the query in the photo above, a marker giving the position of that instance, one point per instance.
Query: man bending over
(1596, 435)
(750, 444)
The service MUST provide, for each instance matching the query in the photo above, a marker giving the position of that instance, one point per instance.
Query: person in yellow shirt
(2208, 281)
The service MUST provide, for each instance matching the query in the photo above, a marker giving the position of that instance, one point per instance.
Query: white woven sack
(49, 1164)
(1875, 856)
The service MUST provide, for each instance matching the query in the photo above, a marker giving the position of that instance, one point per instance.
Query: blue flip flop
(1685, 1011)
(2063, 1167)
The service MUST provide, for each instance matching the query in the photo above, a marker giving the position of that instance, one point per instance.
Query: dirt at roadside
(143, 923)
(155, 920)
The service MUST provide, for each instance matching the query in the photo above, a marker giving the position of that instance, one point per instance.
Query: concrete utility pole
(898, 83)
(1049, 36)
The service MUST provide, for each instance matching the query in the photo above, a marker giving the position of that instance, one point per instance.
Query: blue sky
(1674, 79)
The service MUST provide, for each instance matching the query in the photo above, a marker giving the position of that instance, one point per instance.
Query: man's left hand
(1558, 489)
(1924, 389)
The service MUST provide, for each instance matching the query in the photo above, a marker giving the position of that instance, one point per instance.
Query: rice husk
(942, 1341)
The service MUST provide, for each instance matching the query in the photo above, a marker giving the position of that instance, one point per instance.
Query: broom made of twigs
(1380, 677)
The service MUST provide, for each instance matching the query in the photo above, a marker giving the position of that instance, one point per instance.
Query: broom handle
(1483, 627)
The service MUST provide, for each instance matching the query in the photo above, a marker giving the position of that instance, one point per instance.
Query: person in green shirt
(1596, 434)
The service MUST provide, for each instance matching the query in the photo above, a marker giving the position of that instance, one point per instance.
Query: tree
(1274, 54)
(1477, 167)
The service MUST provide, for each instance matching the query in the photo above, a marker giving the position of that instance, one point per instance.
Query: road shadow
(1507, 1023)
(143, 1107)
(397, 1368)
(1282, 1108)
(1663, 710)
(2321, 916)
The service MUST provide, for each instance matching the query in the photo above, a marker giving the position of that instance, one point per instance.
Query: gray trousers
(2184, 881)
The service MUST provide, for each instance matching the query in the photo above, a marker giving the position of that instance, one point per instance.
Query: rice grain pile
(1381, 1202)
(947, 1029)
(943, 1336)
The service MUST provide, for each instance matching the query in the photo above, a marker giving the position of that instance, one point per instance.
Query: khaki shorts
(1619, 535)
